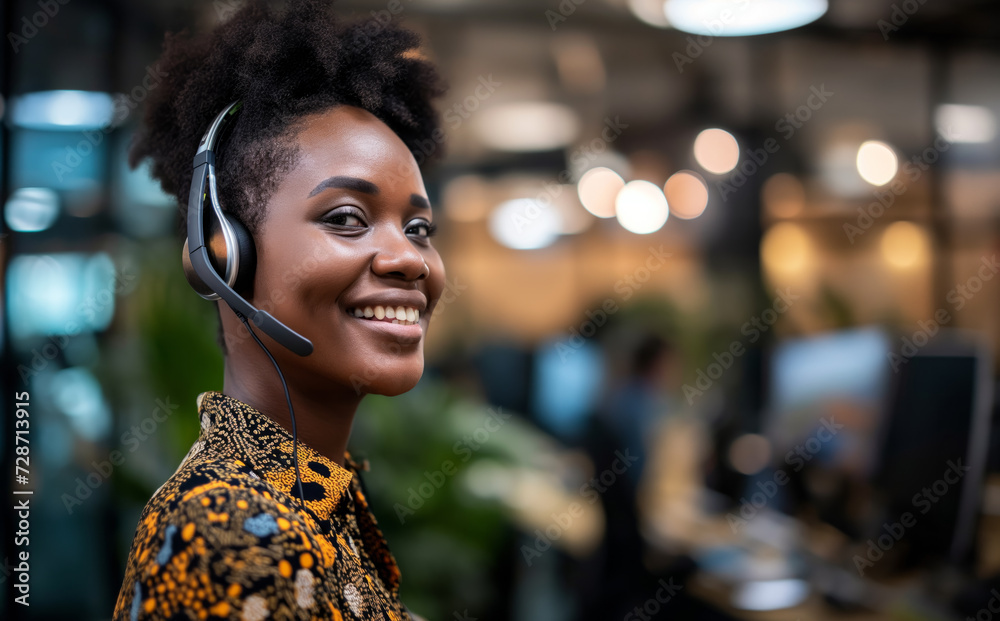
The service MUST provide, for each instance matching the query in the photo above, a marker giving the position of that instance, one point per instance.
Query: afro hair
(283, 66)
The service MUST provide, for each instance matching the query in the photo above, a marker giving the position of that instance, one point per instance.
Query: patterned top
(227, 537)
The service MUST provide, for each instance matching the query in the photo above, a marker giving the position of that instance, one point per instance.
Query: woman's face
(346, 231)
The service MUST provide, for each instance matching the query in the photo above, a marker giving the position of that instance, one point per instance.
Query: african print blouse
(227, 537)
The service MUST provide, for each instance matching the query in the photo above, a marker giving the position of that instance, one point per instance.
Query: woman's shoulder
(219, 524)
(216, 493)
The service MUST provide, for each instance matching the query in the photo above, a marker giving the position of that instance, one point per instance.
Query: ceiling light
(716, 151)
(650, 12)
(524, 224)
(686, 194)
(62, 110)
(786, 249)
(734, 18)
(597, 190)
(641, 207)
(30, 210)
(958, 123)
(877, 163)
(904, 244)
(527, 126)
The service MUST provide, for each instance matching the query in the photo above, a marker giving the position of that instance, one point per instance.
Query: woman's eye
(423, 229)
(344, 219)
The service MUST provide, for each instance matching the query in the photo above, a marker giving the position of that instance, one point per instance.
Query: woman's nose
(397, 256)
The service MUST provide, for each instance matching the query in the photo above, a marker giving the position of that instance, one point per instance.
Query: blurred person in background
(618, 440)
(321, 168)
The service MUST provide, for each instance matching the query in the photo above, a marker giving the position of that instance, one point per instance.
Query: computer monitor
(870, 427)
(934, 452)
(826, 399)
(826, 404)
(567, 379)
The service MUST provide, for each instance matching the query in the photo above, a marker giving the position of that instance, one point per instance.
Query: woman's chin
(393, 383)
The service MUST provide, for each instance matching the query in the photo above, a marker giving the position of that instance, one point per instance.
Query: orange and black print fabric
(226, 537)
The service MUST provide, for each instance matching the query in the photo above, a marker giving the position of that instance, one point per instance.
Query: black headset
(219, 264)
(224, 261)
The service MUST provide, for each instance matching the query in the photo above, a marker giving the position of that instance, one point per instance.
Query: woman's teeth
(399, 314)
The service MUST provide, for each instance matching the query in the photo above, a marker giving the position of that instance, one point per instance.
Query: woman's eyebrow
(350, 183)
(419, 201)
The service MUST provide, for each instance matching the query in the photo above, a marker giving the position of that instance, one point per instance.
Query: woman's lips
(406, 334)
(404, 314)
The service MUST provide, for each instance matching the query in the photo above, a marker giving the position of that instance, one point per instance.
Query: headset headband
(204, 174)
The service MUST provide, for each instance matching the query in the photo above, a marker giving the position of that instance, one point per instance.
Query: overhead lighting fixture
(62, 110)
(47, 291)
(686, 194)
(837, 161)
(786, 249)
(904, 244)
(717, 151)
(737, 18)
(527, 126)
(597, 190)
(641, 207)
(650, 12)
(960, 123)
(30, 210)
(524, 224)
(877, 162)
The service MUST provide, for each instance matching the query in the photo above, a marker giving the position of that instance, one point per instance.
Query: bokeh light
(597, 190)
(524, 223)
(904, 244)
(786, 248)
(734, 18)
(30, 210)
(641, 207)
(877, 162)
(961, 123)
(62, 110)
(527, 126)
(716, 151)
(687, 194)
(650, 12)
(47, 292)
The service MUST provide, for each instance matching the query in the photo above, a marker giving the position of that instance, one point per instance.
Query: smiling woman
(328, 236)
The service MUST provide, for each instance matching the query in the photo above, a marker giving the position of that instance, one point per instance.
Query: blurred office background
(719, 341)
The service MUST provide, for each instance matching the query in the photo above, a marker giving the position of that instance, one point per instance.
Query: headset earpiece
(243, 280)
(193, 279)
(232, 254)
